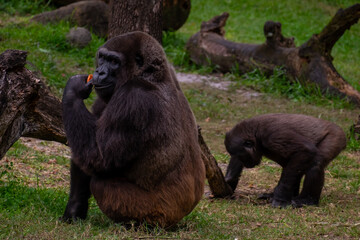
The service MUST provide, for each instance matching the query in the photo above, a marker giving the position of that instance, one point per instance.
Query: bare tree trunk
(27, 108)
(311, 62)
(140, 15)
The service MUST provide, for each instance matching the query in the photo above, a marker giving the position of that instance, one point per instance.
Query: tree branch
(27, 107)
(323, 42)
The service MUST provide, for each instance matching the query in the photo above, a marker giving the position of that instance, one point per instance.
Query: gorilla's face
(108, 69)
(243, 153)
(129, 61)
(242, 150)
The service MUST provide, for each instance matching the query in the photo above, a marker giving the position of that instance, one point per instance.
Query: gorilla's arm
(99, 152)
(80, 124)
(233, 172)
(98, 107)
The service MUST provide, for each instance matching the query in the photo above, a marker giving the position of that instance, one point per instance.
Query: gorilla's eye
(114, 61)
(248, 144)
(139, 60)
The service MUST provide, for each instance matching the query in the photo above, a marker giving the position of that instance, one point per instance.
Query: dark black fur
(137, 152)
(302, 145)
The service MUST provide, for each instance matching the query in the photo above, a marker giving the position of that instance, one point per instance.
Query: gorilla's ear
(278, 25)
(154, 70)
(154, 66)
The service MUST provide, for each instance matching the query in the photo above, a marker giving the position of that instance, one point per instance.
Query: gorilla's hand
(77, 87)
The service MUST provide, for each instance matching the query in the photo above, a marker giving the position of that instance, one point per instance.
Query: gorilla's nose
(99, 76)
(101, 73)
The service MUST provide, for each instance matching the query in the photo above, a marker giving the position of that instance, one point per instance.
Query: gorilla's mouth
(102, 86)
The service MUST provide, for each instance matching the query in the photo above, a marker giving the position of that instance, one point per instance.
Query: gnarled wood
(214, 175)
(311, 62)
(27, 107)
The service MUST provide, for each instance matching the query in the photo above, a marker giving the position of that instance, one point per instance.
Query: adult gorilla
(137, 152)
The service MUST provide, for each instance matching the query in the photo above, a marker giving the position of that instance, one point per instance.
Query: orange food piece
(89, 77)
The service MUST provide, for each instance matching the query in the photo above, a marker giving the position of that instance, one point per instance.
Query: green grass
(279, 85)
(34, 176)
(49, 52)
(33, 213)
(24, 6)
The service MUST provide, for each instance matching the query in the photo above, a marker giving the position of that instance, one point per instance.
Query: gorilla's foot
(304, 201)
(266, 196)
(74, 212)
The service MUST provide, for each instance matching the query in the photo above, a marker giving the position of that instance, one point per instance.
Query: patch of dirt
(38, 166)
(214, 81)
(46, 174)
(47, 147)
(251, 185)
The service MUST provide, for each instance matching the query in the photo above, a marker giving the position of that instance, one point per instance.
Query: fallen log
(92, 15)
(311, 62)
(95, 15)
(29, 109)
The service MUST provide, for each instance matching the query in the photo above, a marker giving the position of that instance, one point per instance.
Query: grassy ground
(34, 175)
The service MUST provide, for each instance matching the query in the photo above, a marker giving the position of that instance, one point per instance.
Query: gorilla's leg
(328, 149)
(77, 205)
(266, 196)
(289, 182)
(313, 184)
(296, 187)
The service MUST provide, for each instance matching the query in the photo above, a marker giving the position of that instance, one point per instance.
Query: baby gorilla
(302, 145)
